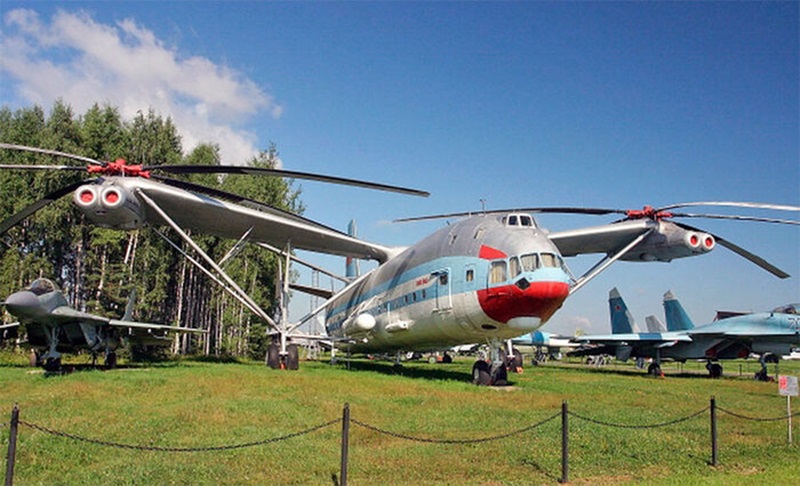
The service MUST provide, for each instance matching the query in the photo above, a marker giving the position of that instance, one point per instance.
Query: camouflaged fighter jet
(53, 327)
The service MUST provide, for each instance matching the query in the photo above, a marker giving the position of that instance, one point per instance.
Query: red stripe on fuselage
(489, 253)
(540, 299)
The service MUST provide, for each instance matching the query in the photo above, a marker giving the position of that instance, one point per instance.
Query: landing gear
(480, 373)
(52, 364)
(111, 360)
(492, 372)
(655, 370)
(763, 374)
(288, 361)
(514, 362)
(714, 369)
(274, 356)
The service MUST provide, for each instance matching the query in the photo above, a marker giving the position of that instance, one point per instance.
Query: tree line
(98, 268)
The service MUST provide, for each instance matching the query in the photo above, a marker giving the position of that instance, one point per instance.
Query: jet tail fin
(677, 318)
(621, 318)
(352, 269)
(654, 324)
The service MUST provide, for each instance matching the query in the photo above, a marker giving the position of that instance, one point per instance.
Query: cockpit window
(788, 309)
(530, 262)
(550, 260)
(519, 220)
(497, 272)
(514, 267)
(42, 286)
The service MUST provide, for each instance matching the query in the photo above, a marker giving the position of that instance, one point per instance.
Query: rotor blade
(231, 169)
(536, 210)
(25, 148)
(42, 167)
(735, 204)
(736, 217)
(9, 222)
(742, 252)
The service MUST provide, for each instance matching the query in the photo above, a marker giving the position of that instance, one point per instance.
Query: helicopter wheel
(515, 362)
(480, 373)
(654, 369)
(499, 376)
(273, 356)
(52, 364)
(111, 360)
(293, 357)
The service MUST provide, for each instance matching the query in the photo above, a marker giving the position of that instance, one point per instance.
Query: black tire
(515, 363)
(500, 376)
(292, 357)
(52, 364)
(274, 356)
(480, 373)
(447, 359)
(715, 370)
(111, 361)
(654, 369)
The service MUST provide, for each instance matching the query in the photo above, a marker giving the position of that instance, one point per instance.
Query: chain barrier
(454, 441)
(651, 426)
(757, 419)
(179, 449)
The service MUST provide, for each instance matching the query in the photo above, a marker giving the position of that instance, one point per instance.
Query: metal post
(713, 431)
(345, 443)
(564, 442)
(789, 416)
(12, 445)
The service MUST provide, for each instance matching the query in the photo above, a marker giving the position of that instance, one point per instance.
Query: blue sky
(519, 103)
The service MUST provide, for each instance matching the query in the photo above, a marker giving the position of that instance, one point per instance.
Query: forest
(98, 268)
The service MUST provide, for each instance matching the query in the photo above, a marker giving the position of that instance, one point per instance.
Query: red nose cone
(523, 299)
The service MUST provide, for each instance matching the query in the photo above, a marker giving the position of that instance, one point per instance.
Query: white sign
(787, 386)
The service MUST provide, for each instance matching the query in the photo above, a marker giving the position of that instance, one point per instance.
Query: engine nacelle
(109, 205)
(670, 241)
(358, 324)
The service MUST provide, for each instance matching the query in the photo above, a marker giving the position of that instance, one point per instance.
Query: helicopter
(489, 277)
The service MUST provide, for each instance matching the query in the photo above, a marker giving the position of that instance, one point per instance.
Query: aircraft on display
(490, 277)
(53, 327)
(767, 334)
(546, 345)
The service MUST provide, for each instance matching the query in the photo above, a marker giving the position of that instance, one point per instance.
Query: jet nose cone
(22, 304)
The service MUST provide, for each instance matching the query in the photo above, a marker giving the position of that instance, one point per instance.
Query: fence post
(345, 444)
(713, 431)
(564, 442)
(12, 445)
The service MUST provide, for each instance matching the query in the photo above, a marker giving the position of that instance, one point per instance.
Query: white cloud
(83, 62)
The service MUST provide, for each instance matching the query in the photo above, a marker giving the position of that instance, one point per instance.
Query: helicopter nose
(524, 301)
(22, 304)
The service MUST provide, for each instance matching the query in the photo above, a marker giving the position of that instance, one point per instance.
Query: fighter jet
(765, 333)
(53, 327)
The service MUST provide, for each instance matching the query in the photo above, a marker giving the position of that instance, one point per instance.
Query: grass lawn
(196, 404)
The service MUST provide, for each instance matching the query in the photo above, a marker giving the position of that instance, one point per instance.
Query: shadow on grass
(440, 372)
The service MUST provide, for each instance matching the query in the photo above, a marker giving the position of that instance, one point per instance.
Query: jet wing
(215, 216)
(145, 333)
(153, 327)
(605, 239)
(68, 314)
(634, 338)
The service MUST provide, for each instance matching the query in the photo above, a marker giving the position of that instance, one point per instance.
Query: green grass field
(195, 404)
